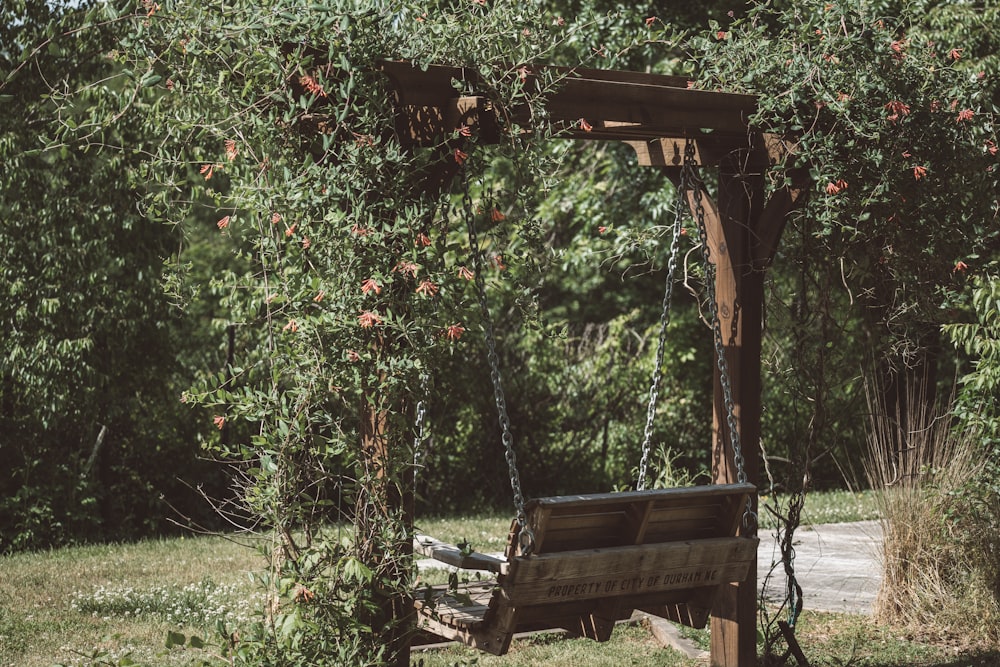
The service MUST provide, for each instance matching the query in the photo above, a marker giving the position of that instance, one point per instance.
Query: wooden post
(739, 290)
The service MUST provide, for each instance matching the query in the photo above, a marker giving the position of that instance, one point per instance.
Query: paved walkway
(836, 564)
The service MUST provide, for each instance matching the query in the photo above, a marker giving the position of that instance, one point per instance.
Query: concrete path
(836, 564)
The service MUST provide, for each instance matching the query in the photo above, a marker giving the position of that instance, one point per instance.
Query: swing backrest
(635, 550)
(594, 521)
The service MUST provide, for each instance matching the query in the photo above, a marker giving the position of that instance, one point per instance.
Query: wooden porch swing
(597, 558)
(583, 562)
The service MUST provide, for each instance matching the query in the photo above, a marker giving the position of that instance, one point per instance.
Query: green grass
(826, 507)
(118, 599)
(630, 645)
(62, 605)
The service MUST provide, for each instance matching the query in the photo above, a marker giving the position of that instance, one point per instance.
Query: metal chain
(749, 516)
(526, 537)
(654, 389)
(418, 439)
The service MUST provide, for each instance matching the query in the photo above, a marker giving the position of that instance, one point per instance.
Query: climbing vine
(277, 123)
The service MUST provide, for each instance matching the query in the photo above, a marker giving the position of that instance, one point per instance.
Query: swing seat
(596, 559)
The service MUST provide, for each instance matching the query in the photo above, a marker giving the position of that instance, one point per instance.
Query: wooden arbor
(655, 115)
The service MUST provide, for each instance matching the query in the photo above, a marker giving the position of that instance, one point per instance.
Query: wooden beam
(739, 287)
(616, 105)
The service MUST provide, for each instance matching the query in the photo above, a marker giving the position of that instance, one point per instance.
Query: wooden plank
(586, 574)
(650, 106)
(450, 554)
(600, 536)
(596, 500)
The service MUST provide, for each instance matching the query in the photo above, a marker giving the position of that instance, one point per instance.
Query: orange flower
(208, 170)
(319, 296)
(960, 267)
(496, 215)
(353, 356)
(955, 53)
(919, 172)
(465, 131)
(897, 109)
(498, 262)
(292, 326)
(231, 150)
(523, 72)
(650, 20)
(836, 188)
(368, 319)
(965, 114)
(720, 35)
(306, 243)
(405, 267)
(460, 155)
(371, 285)
(291, 230)
(312, 86)
(223, 222)
(602, 229)
(423, 240)
(585, 126)
(991, 147)
(303, 594)
(357, 230)
(427, 287)
(275, 218)
(454, 332)
(219, 421)
(464, 272)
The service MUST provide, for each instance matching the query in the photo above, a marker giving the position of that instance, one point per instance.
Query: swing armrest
(452, 555)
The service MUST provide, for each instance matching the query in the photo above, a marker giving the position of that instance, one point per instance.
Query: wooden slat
(686, 494)
(586, 574)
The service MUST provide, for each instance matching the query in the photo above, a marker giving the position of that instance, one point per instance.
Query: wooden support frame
(656, 115)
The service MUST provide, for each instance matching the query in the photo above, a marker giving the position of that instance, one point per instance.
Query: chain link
(526, 537)
(654, 389)
(418, 439)
(750, 519)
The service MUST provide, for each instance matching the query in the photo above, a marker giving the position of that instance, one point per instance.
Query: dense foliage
(244, 156)
(94, 440)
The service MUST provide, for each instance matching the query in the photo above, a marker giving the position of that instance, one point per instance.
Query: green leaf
(175, 639)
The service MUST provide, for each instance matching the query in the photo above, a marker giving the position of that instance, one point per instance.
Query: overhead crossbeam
(582, 104)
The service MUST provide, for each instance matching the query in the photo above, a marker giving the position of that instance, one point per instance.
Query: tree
(94, 435)
(899, 143)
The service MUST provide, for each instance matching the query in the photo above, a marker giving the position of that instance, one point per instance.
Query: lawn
(105, 605)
